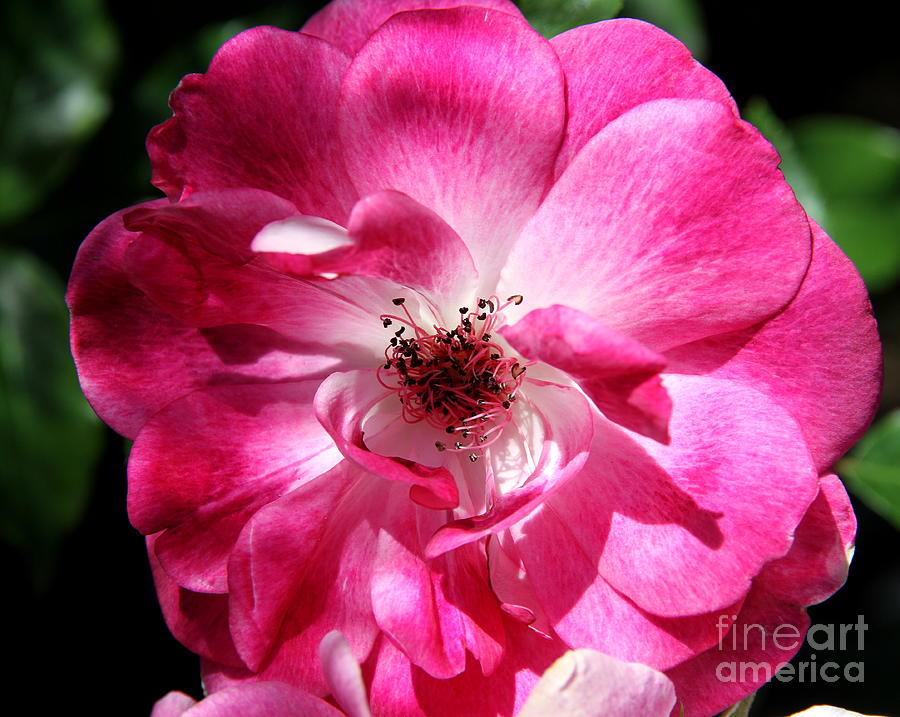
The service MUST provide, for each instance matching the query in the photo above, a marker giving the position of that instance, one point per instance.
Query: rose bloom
(476, 347)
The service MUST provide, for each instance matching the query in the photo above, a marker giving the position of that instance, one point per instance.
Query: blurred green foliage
(54, 71)
(49, 437)
(551, 17)
(872, 471)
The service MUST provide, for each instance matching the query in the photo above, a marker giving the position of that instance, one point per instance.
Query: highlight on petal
(582, 683)
(343, 675)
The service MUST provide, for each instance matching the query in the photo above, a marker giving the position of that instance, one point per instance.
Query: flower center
(457, 380)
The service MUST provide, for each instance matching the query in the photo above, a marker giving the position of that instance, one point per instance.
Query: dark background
(94, 637)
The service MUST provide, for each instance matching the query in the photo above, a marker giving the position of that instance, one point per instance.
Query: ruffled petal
(302, 568)
(615, 65)
(694, 507)
(766, 634)
(619, 374)
(203, 465)
(582, 607)
(820, 358)
(675, 242)
(587, 682)
(819, 558)
(390, 236)
(263, 116)
(567, 434)
(467, 121)
(347, 24)
(199, 621)
(342, 403)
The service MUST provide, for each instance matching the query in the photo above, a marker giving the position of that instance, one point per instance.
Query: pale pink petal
(263, 116)
(674, 242)
(262, 699)
(586, 683)
(817, 563)
(300, 569)
(693, 507)
(619, 374)
(615, 65)
(203, 465)
(766, 635)
(199, 621)
(828, 711)
(579, 603)
(820, 358)
(173, 704)
(342, 402)
(567, 433)
(467, 121)
(343, 675)
(347, 24)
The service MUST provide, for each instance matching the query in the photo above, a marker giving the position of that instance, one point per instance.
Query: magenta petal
(347, 24)
(342, 402)
(675, 242)
(343, 675)
(203, 465)
(263, 116)
(820, 358)
(694, 509)
(567, 424)
(199, 621)
(300, 569)
(766, 634)
(467, 122)
(817, 563)
(616, 372)
(615, 65)
(263, 699)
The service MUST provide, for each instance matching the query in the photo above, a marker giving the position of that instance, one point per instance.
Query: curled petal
(619, 374)
(342, 403)
(343, 675)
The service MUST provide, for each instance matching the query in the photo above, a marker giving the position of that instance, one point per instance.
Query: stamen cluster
(457, 380)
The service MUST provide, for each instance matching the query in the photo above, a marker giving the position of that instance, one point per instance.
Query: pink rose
(346, 416)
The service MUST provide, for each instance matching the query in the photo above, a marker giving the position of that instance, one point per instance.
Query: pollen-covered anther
(457, 380)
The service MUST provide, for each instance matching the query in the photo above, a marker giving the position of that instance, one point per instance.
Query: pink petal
(343, 675)
(581, 605)
(615, 65)
(263, 699)
(433, 610)
(199, 621)
(709, 510)
(617, 373)
(585, 682)
(204, 464)
(767, 634)
(301, 568)
(567, 433)
(133, 358)
(263, 116)
(342, 402)
(173, 704)
(817, 563)
(820, 358)
(675, 242)
(451, 105)
(347, 24)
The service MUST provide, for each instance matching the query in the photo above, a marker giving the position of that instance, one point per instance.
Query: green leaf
(872, 471)
(551, 17)
(741, 709)
(56, 63)
(681, 18)
(49, 437)
(850, 156)
(759, 113)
